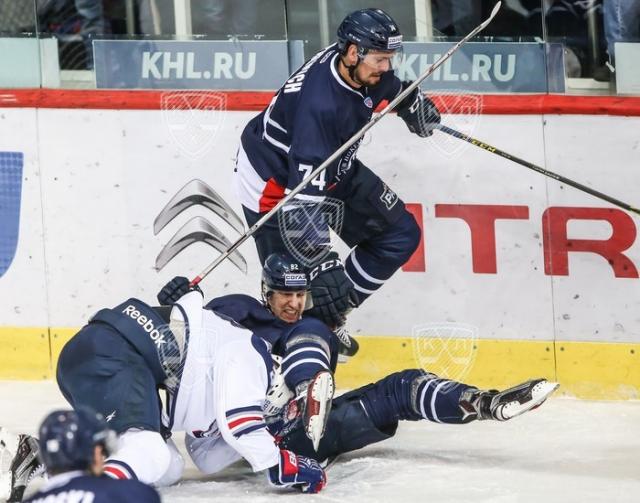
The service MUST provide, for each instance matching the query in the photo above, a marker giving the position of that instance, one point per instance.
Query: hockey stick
(374, 120)
(527, 164)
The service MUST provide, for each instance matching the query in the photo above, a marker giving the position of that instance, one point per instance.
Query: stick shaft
(538, 169)
(374, 120)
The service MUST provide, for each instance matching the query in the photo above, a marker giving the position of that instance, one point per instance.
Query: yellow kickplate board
(590, 370)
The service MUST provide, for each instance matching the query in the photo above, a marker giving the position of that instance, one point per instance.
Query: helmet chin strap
(351, 69)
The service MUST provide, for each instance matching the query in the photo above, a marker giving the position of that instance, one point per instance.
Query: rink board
(94, 180)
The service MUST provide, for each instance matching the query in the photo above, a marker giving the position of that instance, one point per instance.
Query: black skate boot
(503, 405)
(347, 346)
(25, 466)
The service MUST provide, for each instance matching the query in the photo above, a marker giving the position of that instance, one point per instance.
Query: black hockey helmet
(281, 272)
(68, 437)
(369, 29)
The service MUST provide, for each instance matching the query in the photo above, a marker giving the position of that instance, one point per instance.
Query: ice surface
(566, 451)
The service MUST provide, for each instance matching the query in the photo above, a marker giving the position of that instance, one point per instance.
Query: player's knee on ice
(176, 466)
(144, 454)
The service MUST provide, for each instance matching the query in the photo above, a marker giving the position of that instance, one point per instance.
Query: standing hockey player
(316, 111)
(73, 445)
(216, 375)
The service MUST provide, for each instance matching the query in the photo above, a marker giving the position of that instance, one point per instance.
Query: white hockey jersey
(219, 400)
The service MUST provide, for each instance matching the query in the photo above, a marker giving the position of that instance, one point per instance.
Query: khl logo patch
(10, 192)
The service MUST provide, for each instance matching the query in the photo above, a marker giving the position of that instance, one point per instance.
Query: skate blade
(319, 399)
(539, 393)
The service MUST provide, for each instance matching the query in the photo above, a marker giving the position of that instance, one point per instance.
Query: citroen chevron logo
(198, 229)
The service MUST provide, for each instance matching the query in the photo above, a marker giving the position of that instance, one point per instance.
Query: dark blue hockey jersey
(252, 315)
(311, 116)
(78, 487)
(147, 331)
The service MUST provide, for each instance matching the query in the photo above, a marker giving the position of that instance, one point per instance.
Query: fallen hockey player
(230, 401)
(362, 416)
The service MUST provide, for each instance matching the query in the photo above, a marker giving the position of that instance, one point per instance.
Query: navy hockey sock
(438, 399)
(412, 395)
(375, 260)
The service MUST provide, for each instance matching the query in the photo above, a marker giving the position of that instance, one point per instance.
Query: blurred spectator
(456, 17)
(621, 23)
(213, 18)
(66, 18)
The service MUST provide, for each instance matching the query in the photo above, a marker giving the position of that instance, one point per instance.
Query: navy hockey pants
(349, 428)
(98, 368)
(375, 221)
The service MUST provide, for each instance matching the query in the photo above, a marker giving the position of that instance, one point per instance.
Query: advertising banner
(485, 67)
(195, 64)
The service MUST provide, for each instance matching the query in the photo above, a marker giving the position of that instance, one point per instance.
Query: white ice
(566, 451)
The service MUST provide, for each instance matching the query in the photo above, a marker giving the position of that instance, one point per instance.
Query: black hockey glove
(176, 288)
(332, 292)
(418, 112)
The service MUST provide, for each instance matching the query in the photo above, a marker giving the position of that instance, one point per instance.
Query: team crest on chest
(368, 102)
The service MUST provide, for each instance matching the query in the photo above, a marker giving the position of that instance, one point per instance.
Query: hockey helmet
(68, 437)
(369, 29)
(282, 273)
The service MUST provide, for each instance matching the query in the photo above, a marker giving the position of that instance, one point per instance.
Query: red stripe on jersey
(238, 422)
(114, 472)
(271, 195)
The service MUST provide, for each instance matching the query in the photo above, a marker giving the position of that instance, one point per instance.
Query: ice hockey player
(366, 415)
(321, 106)
(216, 375)
(73, 445)
(307, 347)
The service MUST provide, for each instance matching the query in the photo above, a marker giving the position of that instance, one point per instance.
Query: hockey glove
(297, 471)
(332, 292)
(176, 288)
(418, 112)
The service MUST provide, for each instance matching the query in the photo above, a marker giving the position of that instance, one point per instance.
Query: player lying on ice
(224, 393)
(363, 416)
(216, 375)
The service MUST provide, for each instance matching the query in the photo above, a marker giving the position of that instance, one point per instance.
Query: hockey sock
(305, 356)
(375, 260)
(438, 400)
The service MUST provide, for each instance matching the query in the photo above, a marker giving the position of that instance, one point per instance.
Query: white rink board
(95, 180)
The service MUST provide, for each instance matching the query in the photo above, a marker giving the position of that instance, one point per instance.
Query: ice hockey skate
(19, 463)
(317, 405)
(507, 404)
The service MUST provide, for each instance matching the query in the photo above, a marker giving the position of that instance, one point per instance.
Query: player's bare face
(372, 66)
(288, 306)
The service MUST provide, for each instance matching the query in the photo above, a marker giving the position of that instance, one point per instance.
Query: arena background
(543, 276)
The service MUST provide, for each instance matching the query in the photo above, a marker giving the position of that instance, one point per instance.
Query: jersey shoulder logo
(368, 102)
(389, 197)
